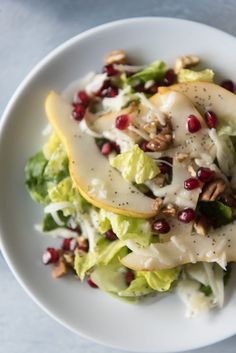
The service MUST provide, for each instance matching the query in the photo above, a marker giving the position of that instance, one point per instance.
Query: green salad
(136, 179)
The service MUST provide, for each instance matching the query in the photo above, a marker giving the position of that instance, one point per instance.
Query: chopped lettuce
(109, 278)
(51, 145)
(218, 212)
(57, 167)
(137, 288)
(65, 190)
(161, 280)
(153, 72)
(105, 251)
(125, 227)
(135, 165)
(186, 75)
(35, 180)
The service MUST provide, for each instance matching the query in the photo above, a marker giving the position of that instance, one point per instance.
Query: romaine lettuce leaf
(161, 280)
(125, 227)
(135, 165)
(105, 251)
(155, 72)
(186, 75)
(35, 180)
(51, 145)
(66, 191)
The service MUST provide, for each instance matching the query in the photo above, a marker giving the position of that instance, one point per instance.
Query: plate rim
(3, 122)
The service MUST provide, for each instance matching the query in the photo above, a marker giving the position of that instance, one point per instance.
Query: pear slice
(219, 246)
(209, 96)
(96, 180)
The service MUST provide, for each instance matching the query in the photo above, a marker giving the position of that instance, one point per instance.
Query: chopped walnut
(162, 140)
(183, 62)
(213, 190)
(59, 269)
(116, 57)
(201, 225)
(170, 210)
(156, 204)
(69, 259)
(181, 157)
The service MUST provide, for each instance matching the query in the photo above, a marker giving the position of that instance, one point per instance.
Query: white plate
(157, 326)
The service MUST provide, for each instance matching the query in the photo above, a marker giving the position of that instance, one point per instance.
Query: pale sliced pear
(219, 246)
(96, 180)
(209, 96)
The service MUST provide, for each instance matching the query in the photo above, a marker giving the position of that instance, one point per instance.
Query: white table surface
(29, 29)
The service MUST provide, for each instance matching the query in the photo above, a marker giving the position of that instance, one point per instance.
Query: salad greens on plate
(137, 177)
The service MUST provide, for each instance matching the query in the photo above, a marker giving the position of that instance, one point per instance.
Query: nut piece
(170, 210)
(162, 140)
(156, 204)
(69, 259)
(213, 190)
(180, 157)
(116, 57)
(201, 226)
(59, 269)
(183, 62)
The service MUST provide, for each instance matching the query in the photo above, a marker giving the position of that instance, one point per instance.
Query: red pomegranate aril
(211, 119)
(194, 124)
(122, 122)
(112, 92)
(129, 277)
(153, 89)
(106, 149)
(78, 111)
(91, 283)
(205, 174)
(84, 98)
(228, 84)
(50, 256)
(170, 77)
(191, 184)
(139, 88)
(110, 235)
(161, 226)
(187, 215)
(116, 147)
(69, 244)
(110, 70)
(143, 146)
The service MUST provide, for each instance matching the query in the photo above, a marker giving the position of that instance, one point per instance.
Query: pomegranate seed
(69, 244)
(102, 91)
(191, 184)
(84, 98)
(205, 174)
(50, 256)
(110, 70)
(106, 148)
(110, 235)
(194, 124)
(211, 119)
(143, 146)
(139, 88)
(122, 122)
(91, 283)
(187, 215)
(116, 147)
(228, 84)
(170, 77)
(161, 226)
(129, 277)
(78, 111)
(112, 92)
(153, 89)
